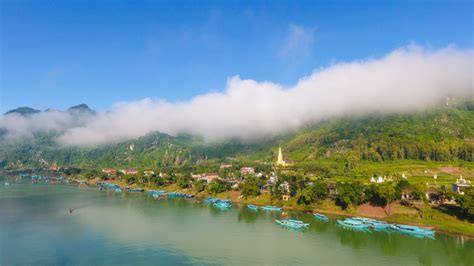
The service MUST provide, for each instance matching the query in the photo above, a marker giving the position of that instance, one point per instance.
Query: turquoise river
(109, 228)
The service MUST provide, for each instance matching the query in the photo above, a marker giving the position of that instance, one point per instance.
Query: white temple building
(280, 160)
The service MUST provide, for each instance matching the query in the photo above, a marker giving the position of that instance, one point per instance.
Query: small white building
(461, 184)
(380, 179)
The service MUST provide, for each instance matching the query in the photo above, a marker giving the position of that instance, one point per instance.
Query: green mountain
(441, 134)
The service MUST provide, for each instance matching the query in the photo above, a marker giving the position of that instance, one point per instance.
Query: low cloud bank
(406, 80)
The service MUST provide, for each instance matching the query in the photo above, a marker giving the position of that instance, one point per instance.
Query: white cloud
(406, 80)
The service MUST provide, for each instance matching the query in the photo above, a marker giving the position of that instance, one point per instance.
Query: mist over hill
(444, 133)
(407, 80)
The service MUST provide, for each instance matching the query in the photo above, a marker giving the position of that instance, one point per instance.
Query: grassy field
(416, 171)
(441, 220)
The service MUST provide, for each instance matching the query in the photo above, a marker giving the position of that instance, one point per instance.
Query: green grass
(440, 220)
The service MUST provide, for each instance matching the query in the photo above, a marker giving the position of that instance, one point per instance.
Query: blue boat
(252, 207)
(353, 224)
(156, 193)
(413, 230)
(39, 178)
(321, 217)
(109, 186)
(272, 208)
(293, 224)
(372, 223)
(211, 200)
(135, 190)
(222, 205)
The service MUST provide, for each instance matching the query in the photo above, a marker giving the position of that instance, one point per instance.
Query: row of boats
(265, 208)
(223, 204)
(355, 223)
(154, 193)
(364, 224)
(367, 224)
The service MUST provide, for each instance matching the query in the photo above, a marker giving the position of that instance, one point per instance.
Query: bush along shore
(395, 200)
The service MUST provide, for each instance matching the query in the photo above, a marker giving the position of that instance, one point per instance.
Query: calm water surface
(111, 228)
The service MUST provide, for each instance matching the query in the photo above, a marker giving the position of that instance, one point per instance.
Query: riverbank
(422, 216)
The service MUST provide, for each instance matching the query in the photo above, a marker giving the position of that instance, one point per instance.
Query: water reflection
(246, 215)
(131, 228)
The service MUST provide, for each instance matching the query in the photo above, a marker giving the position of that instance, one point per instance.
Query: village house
(148, 173)
(54, 168)
(273, 178)
(109, 171)
(460, 185)
(247, 170)
(332, 189)
(196, 176)
(209, 177)
(285, 186)
(380, 179)
(129, 171)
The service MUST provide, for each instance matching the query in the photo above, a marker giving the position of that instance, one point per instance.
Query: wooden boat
(372, 223)
(412, 230)
(135, 190)
(272, 208)
(210, 200)
(293, 224)
(352, 224)
(252, 207)
(321, 217)
(222, 205)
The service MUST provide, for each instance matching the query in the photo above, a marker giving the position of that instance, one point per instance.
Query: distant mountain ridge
(26, 111)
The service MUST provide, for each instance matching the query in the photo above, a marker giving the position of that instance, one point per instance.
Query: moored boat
(272, 208)
(353, 224)
(372, 223)
(321, 217)
(413, 230)
(252, 207)
(135, 189)
(293, 224)
(222, 205)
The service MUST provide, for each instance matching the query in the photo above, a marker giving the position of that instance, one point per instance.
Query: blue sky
(61, 53)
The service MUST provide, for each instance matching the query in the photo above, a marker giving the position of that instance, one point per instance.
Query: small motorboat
(413, 230)
(135, 190)
(372, 223)
(353, 224)
(293, 224)
(321, 217)
(211, 200)
(252, 207)
(272, 208)
(118, 190)
(222, 205)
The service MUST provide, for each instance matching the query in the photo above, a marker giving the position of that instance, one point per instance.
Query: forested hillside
(442, 134)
